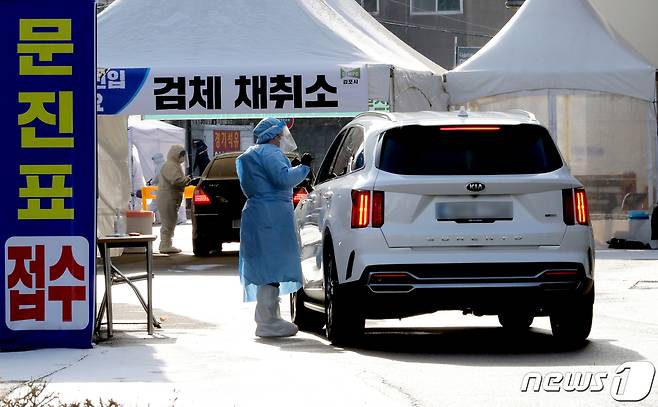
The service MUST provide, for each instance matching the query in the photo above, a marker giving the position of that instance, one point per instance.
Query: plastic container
(639, 226)
(120, 227)
(140, 222)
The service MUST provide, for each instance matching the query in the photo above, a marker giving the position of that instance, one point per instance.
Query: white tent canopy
(232, 38)
(151, 137)
(554, 44)
(560, 60)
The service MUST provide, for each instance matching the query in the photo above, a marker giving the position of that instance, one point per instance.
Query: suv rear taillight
(367, 205)
(200, 198)
(360, 209)
(582, 209)
(576, 211)
(298, 195)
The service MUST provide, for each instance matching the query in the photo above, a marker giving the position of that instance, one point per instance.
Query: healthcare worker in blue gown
(269, 252)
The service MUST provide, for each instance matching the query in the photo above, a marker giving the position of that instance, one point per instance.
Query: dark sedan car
(218, 201)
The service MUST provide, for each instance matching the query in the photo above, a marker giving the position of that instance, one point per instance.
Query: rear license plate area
(474, 212)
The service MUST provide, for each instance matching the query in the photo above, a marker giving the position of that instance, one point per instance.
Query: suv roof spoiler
(381, 115)
(522, 112)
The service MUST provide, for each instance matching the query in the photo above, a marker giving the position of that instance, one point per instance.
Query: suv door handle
(328, 195)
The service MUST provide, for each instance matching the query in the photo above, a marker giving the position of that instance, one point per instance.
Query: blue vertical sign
(48, 205)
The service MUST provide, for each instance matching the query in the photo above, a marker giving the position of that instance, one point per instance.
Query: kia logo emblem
(475, 187)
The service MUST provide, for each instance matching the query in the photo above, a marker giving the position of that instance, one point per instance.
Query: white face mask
(287, 143)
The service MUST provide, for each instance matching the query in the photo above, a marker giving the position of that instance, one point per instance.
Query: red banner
(226, 140)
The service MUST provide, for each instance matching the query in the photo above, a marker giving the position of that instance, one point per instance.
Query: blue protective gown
(269, 252)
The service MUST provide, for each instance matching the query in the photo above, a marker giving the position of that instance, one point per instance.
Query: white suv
(417, 212)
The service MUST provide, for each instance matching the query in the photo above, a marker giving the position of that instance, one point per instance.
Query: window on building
(371, 6)
(436, 6)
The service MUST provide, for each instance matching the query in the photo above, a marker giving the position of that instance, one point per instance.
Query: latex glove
(307, 159)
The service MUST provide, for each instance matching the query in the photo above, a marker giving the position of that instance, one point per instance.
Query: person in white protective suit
(158, 160)
(269, 254)
(171, 185)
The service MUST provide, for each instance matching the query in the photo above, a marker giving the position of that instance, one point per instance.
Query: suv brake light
(367, 205)
(576, 210)
(470, 128)
(360, 209)
(200, 198)
(299, 195)
(582, 209)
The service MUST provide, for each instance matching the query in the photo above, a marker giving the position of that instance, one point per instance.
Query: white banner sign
(150, 92)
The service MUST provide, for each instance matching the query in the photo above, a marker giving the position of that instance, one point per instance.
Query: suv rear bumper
(394, 291)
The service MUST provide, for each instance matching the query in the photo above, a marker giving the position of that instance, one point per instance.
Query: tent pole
(391, 92)
(652, 147)
(653, 137)
(132, 169)
(651, 156)
(188, 145)
(552, 114)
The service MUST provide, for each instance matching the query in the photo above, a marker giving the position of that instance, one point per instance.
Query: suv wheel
(515, 320)
(345, 322)
(572, 323)
(304, 318)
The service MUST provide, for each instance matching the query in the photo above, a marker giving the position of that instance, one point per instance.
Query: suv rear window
(469, 150)
(223, 168)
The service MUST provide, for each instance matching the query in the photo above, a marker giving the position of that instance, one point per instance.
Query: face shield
(288, 144)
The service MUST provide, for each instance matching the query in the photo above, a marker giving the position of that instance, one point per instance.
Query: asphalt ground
(206, 352)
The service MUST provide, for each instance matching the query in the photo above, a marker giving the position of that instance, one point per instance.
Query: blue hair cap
(267, 129)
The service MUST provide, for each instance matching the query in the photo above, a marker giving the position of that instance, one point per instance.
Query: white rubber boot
(268, 316)
(166, 246)
(169, 250)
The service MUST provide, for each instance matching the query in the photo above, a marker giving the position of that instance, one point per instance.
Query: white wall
(636, 21)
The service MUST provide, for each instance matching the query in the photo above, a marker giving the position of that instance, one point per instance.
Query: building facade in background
(436, 27)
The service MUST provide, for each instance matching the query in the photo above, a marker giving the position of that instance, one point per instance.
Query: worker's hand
(188, 179)
(307, 159)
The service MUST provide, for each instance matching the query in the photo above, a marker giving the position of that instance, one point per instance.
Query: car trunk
(471, 186)
(436, 212)
(226, 197)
